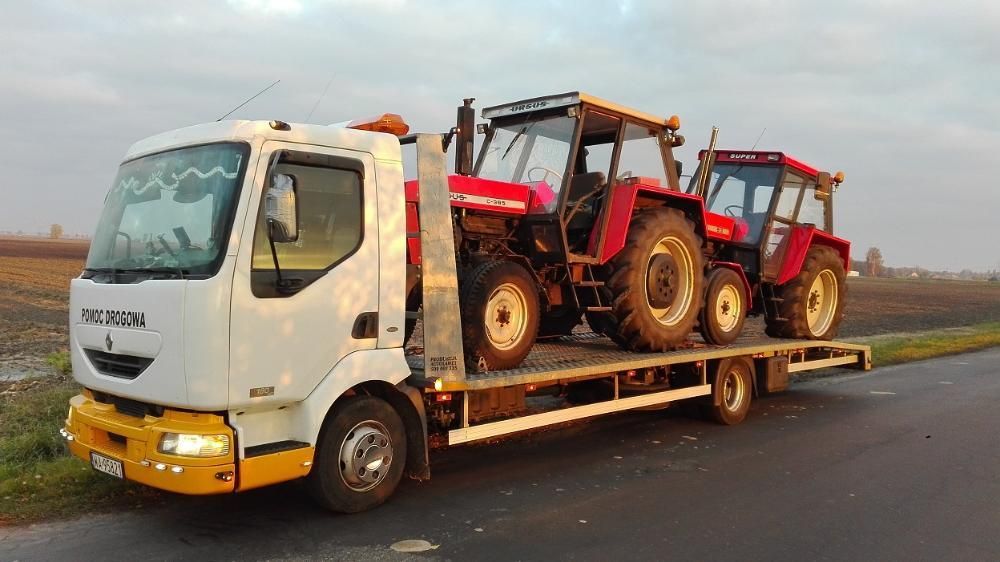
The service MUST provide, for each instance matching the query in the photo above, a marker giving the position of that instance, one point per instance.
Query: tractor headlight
(193, 445)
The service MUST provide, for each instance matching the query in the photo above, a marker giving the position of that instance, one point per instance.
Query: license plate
(107, 465)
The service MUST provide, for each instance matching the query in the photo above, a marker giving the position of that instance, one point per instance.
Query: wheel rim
(728, 308)
(733, 391)
(506, 316)
(365, 456)
(683, 281)
(821, 302)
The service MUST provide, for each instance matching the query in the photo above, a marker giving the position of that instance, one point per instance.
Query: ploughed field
(35, 275)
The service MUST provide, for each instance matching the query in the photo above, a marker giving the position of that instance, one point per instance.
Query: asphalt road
(899, 463)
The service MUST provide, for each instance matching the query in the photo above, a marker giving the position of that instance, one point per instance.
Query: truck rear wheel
(811, 304)
(360, 457)
(499, 303)
(721, 319)
(732, 388)
(657, 283)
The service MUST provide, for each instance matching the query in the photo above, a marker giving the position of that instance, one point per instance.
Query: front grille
(117, 364)
(128, 406)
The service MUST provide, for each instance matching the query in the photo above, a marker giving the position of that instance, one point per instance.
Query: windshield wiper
(517, 136)
(180, 272)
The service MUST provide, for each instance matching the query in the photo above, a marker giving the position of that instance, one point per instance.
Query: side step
(597, 309)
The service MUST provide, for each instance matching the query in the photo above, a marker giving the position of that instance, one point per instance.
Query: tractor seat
(580, 225)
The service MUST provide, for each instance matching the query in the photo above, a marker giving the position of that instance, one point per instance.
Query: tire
(656, 287)
(560, 321)
(806, 309)
(499, 302)
(721, 319)
(732, 388)
(362, 425)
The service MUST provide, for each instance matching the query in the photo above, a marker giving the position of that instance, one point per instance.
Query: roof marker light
(674, 123)
(390, 123)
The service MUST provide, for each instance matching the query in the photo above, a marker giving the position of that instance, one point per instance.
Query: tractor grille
(128, 406)
(116, 364)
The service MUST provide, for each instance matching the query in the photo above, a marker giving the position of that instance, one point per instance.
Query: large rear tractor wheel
(360, 457)
(656, 287)
(500, 312)
(721, 319)
(812, 303)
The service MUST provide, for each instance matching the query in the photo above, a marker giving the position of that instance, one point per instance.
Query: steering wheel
(730, 213)
(547, 171)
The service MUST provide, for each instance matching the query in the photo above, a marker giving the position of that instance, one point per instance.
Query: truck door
(285, 338)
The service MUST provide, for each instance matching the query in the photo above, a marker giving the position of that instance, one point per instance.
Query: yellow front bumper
(99, 428)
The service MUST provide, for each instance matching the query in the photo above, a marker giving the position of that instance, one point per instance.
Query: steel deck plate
(585, 354)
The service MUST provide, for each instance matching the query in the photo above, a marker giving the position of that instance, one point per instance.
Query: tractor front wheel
(811, 304)
(656, 287)
(721, 319)
(499, 302)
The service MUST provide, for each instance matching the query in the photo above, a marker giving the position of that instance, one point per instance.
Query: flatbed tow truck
(207, 368)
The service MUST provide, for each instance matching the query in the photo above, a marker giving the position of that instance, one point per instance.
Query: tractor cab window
(529, 148)
(641, 155)
(592, 170)
(797, 202)
(743, 192)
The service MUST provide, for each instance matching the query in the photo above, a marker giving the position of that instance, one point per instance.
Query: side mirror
(281, 209)
(823, 186)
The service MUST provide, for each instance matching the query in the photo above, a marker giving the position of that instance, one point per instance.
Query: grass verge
(38, 477)
(902, 348)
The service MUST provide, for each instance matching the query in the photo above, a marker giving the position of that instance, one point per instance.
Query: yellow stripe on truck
(265, 470)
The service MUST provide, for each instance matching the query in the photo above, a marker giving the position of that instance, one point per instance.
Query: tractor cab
(573, 150)
(768, 194)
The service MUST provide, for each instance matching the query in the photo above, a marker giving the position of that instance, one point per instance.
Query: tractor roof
(761, 157)
(566, 100)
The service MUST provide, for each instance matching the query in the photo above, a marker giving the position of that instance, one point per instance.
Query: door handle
(365, 326)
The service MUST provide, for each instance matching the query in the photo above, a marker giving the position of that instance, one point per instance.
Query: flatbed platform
(587, 354)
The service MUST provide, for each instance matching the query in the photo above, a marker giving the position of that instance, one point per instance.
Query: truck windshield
(528, 148)
(170, 212)
(741, 191)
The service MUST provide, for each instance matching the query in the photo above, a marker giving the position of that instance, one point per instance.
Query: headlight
(188, 445)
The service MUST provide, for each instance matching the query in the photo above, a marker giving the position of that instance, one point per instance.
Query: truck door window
(330, 214)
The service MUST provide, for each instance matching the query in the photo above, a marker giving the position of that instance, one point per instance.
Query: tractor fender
(800, 239)
(626, 197)
(739, 271)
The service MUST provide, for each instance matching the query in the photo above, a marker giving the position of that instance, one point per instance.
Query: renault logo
(109, 341)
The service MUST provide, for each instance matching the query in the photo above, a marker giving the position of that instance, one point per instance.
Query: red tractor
(574, 209)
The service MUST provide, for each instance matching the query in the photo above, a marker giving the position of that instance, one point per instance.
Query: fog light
(177, 469)
(193, 445)
(160, 466)
(224, 476)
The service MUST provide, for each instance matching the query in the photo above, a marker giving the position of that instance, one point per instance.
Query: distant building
(853, 273)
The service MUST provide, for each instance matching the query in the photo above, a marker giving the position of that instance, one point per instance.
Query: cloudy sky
(904, 96)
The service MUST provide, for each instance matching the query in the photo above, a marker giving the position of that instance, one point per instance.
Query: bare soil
(35, 275)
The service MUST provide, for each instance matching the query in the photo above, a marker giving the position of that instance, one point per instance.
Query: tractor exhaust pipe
(466, 131)
(706, 164)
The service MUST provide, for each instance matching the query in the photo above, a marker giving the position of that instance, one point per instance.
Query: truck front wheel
(499, 315)
(360, 457)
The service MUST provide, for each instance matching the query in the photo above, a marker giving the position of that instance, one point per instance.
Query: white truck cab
(207, 369)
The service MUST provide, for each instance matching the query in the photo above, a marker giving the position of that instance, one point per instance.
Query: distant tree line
(874, 266)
